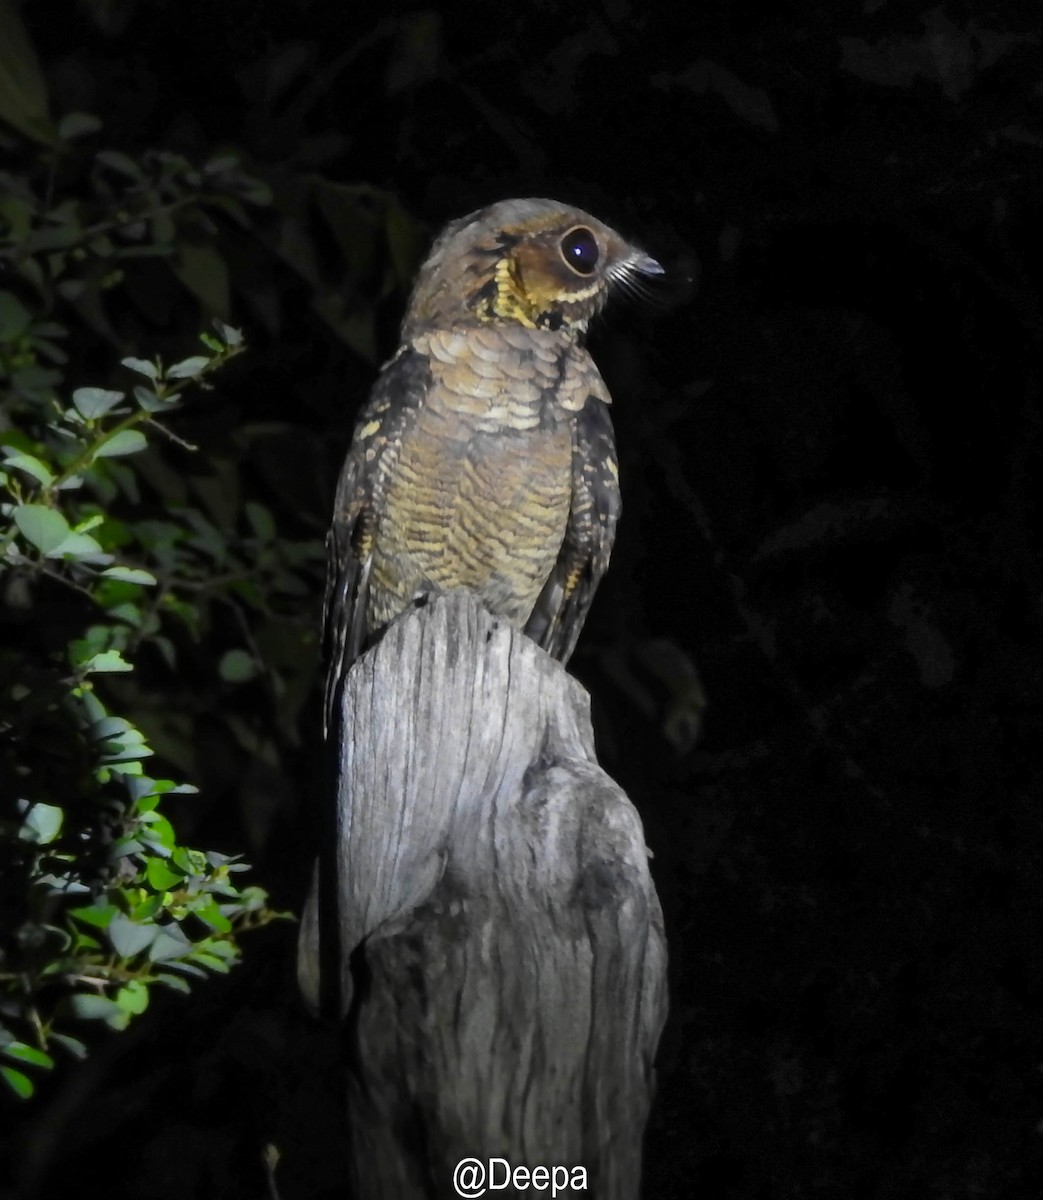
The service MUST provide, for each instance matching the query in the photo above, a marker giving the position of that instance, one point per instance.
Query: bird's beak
(644, 264)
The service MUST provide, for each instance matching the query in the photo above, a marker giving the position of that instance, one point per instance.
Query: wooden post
(504, 976)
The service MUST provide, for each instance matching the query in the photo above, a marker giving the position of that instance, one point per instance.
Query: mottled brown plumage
(484, 459)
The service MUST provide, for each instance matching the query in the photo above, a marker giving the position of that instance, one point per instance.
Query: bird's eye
(579, 249)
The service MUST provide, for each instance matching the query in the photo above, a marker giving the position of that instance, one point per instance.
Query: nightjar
(484, 459)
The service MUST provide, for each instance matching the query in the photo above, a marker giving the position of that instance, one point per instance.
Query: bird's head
(535, 263)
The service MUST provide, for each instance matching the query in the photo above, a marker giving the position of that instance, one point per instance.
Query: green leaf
(20, 1052)
(166, 787)
(92, 402)
(31, 466)
(133, 997)
(142, 366)
(126, 441)
(237, 666)
(204, 272)
(140, 788)
(42, 824)
(93, 708)
(77, 124)
(170, 944)
(80, 547)
(128, 938)
(230, 336)
(130, 575)
(192, 862)
(160, 876)
(95, 1008)
(127, 754)
(149, 401)
(132, 740)
(226, 950)
(99, 915)
(148, 909)
(17, 1082)
(261, 520)
(70, 1044)
(23, 91)
(156, 830)
(42, 526)
(253, 899)
(185, 968)
(120, 162)
(133, 614)
(211, 961)
(15, 318)
(221, 163)
(189, 368)
(174, 981)
(212, 915)
(125, 846)
(123, 768)
(107, 660)
(35, 379)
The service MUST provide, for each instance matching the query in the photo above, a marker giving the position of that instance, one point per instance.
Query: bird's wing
(397, 394)
(563, 604)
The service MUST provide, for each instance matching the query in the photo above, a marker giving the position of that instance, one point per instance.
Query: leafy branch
(110, 902)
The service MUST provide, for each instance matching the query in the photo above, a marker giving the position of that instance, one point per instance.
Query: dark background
(830, 441)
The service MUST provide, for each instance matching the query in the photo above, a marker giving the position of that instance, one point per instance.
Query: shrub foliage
(109, 573)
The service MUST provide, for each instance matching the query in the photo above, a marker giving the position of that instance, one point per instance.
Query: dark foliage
(831, 452)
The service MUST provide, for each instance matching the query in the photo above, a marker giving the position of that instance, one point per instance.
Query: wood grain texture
(497, 909)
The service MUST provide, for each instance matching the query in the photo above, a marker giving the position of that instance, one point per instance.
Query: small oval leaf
(126, 441)
(128, 937)
(170, 944)
(70, 1044)
(142, 366)
(160, 876)
(107, 660)
(15, 318)
(237, 666)
(20, 1052)
(31, 466)
(130, 575)
(77, 124)
(23, 86)
(91, 402)
(189, 368)
(41, 526)
(133, 997)
(173, 981)
(95, 1008)
(98, 915)
(229, 335)
(17, 1082)
(42, 824)
(150, 402)
(80, 547)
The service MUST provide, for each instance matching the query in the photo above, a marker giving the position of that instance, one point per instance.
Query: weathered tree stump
(504, 965)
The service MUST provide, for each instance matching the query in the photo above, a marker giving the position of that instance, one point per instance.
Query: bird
(484, 460)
